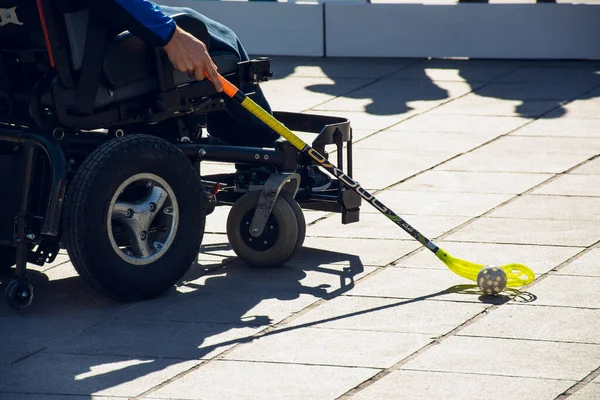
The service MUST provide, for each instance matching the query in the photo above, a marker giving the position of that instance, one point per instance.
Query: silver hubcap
(143, 216)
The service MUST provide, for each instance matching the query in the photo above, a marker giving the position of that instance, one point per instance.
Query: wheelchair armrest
(255, 71)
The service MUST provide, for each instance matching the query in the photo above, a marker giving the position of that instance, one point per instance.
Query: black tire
(281, 239)
(92, 239)
(301, 223)
(8, 258)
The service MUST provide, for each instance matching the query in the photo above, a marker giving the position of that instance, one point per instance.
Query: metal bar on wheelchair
(235, 154)
(58, 165)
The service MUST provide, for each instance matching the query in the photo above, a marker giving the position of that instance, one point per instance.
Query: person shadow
(378, 90)
(537, 88)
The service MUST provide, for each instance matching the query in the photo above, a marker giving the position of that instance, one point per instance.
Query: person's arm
(142, 18)
(145, 20)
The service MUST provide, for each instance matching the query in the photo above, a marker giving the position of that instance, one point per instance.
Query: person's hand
(188, 54)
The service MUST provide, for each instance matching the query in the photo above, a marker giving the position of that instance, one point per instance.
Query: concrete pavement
(495, 160)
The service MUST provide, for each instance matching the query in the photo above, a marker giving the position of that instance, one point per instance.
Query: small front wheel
(278, 240)
(19, 293)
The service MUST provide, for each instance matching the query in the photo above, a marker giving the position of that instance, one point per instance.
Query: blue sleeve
(152, 19)
(142, 18)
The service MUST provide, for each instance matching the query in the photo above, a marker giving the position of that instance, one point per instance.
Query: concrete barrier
(527, 31)
(344, 28)
(269, 28)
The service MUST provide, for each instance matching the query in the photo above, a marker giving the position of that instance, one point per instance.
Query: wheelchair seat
(98, 73)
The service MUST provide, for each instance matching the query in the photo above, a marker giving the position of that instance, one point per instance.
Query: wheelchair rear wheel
(134, 217)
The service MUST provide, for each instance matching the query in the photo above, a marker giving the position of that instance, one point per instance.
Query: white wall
(546, 31)
(464, 30)
(268, 28)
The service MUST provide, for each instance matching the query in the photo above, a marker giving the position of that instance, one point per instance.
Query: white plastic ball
(491, 280)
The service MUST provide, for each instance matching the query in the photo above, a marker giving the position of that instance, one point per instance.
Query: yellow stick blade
(516, 274)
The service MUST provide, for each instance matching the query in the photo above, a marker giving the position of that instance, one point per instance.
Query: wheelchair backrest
(20, 26)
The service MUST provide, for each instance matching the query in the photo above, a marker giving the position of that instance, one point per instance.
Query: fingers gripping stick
(517, 274)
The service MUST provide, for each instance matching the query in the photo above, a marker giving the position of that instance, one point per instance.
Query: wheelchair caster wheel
(19, 293)
(283, 234)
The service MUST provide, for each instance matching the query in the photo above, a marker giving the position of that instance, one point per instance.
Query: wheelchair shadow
(536, 89)
(77, 343)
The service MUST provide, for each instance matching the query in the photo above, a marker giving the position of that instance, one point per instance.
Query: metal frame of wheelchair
(49, 157)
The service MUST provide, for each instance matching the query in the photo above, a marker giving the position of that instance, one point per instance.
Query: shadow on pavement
(539, 88)
(75, 342)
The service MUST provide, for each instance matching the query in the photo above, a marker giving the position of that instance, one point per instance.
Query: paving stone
(473, 182)
(308, 92)
(449, 73)
(591, 391)
(343, 67)
(440, 203)
(230, 380)
(215, 249)
(591, 167)
(553, 74)
(527, 91)
(90, 375)
(571, 185)
(420, 385)
(25, 396)
(474, 124)
(529, 231)
(61, 294)
(378, 226)
(474, 104)
(456, 70)
(218, 302)
(386, 161)
(485, 160)
(318, 279)
(568, 291)
(540, 259)
(518, 321)
(586, 265)
(550, 207)
(419, 284)
(33, 333)
(578, 109)
(557, 127)
(319, 251)
(284, 66)
(517, 358)
(143, 338)
(335, 347)
(388, 315)
(9, 357)
(376, 178)
(393, 97)
(528, 145)
(366, 121)
(404, 142)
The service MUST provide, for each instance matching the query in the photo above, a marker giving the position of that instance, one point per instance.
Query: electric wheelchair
(102, 144)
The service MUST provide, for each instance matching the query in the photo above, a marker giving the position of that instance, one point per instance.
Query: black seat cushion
(129, 71)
